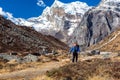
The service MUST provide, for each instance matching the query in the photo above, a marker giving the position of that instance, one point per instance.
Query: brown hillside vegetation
(22, 38)
(110, 43)
(95, 69)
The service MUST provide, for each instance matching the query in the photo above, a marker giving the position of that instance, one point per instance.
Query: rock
(95, 25)
(87, 53)
(66, 78)
(36, 54)
(3, 60)
(95, 52)
(9, 57)
(30, 58)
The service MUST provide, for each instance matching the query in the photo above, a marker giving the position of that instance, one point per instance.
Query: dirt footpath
(31, 72)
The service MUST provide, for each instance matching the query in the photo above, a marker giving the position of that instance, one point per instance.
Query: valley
(38, 48)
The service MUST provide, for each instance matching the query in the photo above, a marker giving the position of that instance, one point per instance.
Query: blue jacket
(72, 49)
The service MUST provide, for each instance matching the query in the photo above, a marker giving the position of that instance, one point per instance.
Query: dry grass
(7, 68)
(87, 70)
(42, 78)
(98, 77)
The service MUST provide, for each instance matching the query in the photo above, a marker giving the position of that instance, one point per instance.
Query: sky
(32, 8)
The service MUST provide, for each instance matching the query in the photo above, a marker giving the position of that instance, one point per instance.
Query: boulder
(9, 57)
(30, 58)
(95, 52)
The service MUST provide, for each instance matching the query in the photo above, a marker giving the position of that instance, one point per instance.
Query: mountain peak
(61, 4)
(57, 3)
(73, 7)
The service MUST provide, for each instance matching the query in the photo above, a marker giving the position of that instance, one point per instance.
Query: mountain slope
(21, 38)
(98, 23)
(110, 43)
(59, 20)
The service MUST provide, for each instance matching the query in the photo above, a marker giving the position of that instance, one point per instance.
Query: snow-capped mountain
(98, 23)
(59, 20)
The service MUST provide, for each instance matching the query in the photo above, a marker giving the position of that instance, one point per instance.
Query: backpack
(75, 49)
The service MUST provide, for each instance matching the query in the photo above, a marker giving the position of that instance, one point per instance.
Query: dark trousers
(75, 57)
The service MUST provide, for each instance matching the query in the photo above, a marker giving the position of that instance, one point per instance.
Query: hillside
(110, 43)
(25, 39)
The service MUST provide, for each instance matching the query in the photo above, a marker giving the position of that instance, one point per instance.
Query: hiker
(75, 50)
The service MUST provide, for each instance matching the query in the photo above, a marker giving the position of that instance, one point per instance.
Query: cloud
(5, 14)
(41, 3)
